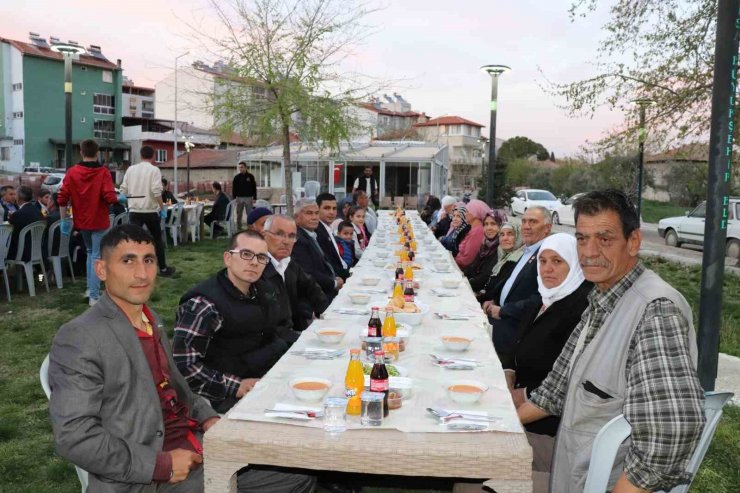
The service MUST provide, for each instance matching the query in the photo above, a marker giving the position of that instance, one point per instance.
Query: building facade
(32, 104)
(468, 149)
(138, 101)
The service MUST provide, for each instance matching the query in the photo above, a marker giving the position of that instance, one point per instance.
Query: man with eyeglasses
(299, 294)
(226, 327)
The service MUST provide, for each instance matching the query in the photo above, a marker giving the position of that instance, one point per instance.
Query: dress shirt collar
(529, 250)
(310, 233)
(607, 300)
(280, 265)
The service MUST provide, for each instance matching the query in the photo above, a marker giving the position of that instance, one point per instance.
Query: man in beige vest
(633, 353)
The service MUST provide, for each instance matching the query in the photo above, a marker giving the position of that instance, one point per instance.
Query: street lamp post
(174, 127)
(70, 52)
(188, 147)
(642, 104)
(494, 71)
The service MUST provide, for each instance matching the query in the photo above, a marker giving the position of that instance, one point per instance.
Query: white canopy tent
(405, 168)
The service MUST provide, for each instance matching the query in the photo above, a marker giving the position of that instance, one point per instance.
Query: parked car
(689, 229)
(564, 213)
(53, 182)
(524, 199)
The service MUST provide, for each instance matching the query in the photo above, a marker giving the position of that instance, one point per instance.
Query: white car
(53, 182)
(689, 229)
(564, 213)
(524, 199)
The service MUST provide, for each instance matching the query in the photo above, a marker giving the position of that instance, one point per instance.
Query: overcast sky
(435, 47)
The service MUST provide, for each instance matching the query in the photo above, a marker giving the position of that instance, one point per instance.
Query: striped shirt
(196, 324)
(663, 401)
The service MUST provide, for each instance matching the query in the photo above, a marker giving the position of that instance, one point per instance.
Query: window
(700, 211)
(18, 86)
(104, 129)
(17, 114)
(18, 142)
(108, 76)
(4, 153)
(104, 104)
(161, 155)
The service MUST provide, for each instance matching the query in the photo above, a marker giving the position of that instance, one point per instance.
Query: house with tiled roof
(32, 104)
(467, 147)
(658, 166)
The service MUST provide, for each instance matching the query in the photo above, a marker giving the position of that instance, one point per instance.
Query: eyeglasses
(249, 255)
(283, 236)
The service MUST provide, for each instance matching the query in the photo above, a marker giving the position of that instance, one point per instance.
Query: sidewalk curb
(728, 376)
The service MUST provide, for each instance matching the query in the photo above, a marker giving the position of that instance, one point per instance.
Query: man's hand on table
(494, 311)
(183, 461)
(510, 376)
(246, 385)
(209, 422)
(339, 282)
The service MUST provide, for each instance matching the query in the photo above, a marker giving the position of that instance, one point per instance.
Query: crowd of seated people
(545, 295)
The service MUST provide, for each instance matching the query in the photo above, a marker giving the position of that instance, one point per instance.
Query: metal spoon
(445, 416)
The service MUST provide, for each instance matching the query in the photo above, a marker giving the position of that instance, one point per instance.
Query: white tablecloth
(429, 381)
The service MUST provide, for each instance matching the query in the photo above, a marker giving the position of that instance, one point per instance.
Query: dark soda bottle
(379, 381)
(411, 255)
(408, 292)
(399, 271)
(374, 325)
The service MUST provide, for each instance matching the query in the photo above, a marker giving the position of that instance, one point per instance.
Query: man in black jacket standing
(308, 253)
(299, 295)
(245, 192)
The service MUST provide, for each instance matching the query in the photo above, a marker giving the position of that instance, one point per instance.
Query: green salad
(392, 370)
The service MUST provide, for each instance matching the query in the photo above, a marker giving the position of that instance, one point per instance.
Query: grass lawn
(653, 211)
(27, 459)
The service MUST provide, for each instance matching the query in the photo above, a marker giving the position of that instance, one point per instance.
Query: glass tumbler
(335, 415)
(372, 409)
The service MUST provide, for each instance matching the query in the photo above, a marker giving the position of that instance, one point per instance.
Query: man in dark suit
(26, 214)
(299, 295)
(327, 214)
(220, 202)
(307, 252)
(119, 408)
(517, 294)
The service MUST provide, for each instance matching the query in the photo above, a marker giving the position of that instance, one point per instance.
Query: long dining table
(411, 442)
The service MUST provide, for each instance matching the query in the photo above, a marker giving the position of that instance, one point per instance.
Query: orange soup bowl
(465, 391)
(310, 388)
(454, 342)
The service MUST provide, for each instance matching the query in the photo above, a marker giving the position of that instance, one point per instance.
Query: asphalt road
(654, 245)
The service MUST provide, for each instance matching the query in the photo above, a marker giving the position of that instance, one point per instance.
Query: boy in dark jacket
(346, 243)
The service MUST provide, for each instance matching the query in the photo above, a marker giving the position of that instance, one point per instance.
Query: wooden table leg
(220, 476)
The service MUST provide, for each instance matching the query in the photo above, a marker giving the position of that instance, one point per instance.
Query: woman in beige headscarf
(509, 252)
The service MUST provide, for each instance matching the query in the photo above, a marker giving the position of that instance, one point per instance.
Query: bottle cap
(354, 351)
(376, 308)
(379, 353)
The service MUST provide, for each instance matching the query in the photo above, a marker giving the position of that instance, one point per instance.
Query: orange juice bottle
(408, 272)
(398, 290)
(389, 324)
(354, 383)
(404, 256)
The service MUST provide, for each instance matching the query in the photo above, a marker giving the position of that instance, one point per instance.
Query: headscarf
(478, 209)
(512, 255)
(564, 245)
(464, 226)
(489, 246)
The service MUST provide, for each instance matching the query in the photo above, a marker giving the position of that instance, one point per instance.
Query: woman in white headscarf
(544, 331)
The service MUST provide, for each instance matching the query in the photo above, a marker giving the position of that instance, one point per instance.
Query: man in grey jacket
(119, 408)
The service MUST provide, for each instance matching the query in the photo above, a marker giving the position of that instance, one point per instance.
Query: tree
(687, 183)
(521, 147)
(662, 50)
(282, 59)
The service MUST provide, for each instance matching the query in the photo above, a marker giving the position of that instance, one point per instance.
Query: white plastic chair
(311, 189)
(44, 377)
(226, 221)
(195, 217)
(173, 225)
(61, 253)
(5, 234)
(262, 203)
(34, 233)
(121, 218)
(617, 430)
